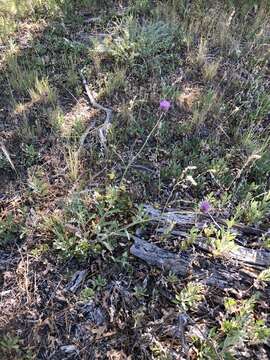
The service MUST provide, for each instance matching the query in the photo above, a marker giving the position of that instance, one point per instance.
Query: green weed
(90, 226)
(10, 345)
(38, 182)
(264, 275)
(140, 292)
(24, 9)
(73, 163)
(253, 210)
(190, 296)
(221, 239)
(43, 92)
(9, 229)
(192, 237)
(31, 155)
(7, 28)
(21, 78)
(138, 43)
(87, 294)
(115, 81)
(238, 328)
(40, 250)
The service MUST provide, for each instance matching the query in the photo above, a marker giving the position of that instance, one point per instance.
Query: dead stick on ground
(103, 130)
(5, 152)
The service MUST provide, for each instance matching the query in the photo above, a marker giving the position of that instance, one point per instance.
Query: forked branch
(103, 129)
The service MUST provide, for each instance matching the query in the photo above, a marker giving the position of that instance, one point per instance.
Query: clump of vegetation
(237, 327)
(138, 42)
(190, 296)
(91, 223)
(11, 227)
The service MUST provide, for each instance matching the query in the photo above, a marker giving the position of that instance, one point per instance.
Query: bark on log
(217, 275)
(257, 258)
(161, 258)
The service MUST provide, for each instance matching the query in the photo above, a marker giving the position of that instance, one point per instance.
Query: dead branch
(6, 153)
(103, 130)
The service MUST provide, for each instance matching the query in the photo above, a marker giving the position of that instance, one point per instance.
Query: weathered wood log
(161, 258)
(217, 275)
(190, 218)
(257, 258)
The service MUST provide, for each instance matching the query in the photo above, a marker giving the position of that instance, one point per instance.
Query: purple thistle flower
(164, 105)
(205, 206)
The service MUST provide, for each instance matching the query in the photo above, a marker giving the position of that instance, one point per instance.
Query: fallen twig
(140, 168)
(6, 153)
(103, 130)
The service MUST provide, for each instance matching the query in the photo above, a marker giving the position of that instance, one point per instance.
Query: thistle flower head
(164, 105)
(205, 206)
